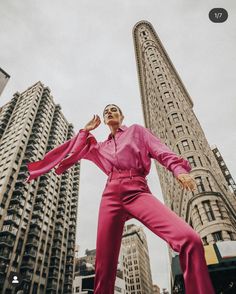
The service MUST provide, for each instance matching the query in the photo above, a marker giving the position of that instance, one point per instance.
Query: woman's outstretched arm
(75, 147)
(179, 166)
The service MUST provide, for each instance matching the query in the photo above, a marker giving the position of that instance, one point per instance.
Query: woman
(126, 158)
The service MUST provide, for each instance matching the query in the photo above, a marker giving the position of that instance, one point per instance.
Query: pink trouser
(130, 197)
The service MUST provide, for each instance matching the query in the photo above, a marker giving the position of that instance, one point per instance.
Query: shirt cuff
(83, 131)
(180, 170)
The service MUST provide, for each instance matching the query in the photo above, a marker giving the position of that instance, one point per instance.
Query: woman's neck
(113, 129)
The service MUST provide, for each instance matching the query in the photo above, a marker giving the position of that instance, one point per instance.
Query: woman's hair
(115, 106)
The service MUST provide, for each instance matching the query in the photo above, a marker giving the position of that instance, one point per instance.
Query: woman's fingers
(187, 182)
(96, 121)
(191, 183)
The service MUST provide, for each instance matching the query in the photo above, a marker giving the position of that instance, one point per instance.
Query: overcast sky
(83, 50)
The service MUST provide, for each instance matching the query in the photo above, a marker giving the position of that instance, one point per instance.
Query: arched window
(208, 210)
(200, 185)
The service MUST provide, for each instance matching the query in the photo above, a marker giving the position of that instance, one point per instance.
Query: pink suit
(126, 159)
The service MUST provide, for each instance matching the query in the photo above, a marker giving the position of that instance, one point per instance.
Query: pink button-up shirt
(131, 148)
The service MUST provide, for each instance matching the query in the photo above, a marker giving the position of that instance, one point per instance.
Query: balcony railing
(34, 231)
(44, 183)
(61, 207)
(41, 191)
(58, 236)
(35, 222)
(30, 252)
(9, 229)
(27, 275)
(38, 214)
(15, 208)
(32, 242)
(54, 262)
(59, 221)
(52, 285)
(54, 273)
(11, 218)
(38, 206)
(59, 228)
(57, 244)
(7, 241)
(17, 199)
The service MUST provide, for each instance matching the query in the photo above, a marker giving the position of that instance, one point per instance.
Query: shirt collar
(120, 129)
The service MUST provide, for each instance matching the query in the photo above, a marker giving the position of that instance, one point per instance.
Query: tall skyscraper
(4, 77)
(123, 268)
(168, 113)
(37, 219)
(85, 273)
(135, 242)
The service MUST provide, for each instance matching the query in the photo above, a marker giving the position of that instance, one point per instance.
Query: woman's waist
(126, 173)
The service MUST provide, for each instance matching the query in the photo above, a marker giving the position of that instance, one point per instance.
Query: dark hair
(115, 106)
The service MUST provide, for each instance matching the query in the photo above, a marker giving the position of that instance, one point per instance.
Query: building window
(220, 209)
(191, 161)
(191, 223)
(208, 210)
(171, 104)
(204, 240)
(185, 145)
(160, 77)
(163, 85)
(232, 235)
(180, 130)
(217, 236)
(198, 214)
(199, 158)
(173, 133)
(187, 130)
(209, 183)
(178, 149)
(199, 183)
(175, 117)
(194, 145)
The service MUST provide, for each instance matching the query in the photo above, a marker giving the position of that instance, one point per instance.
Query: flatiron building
(168, 113)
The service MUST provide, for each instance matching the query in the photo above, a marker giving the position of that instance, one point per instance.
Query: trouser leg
(109, 234)
(180, 236)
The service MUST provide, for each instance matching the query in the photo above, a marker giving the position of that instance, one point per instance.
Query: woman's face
(112, 115)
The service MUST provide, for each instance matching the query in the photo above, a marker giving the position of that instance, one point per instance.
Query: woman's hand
(187, 182)
(93, 123)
